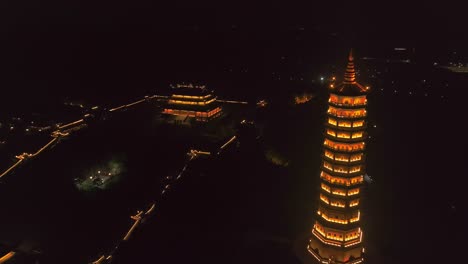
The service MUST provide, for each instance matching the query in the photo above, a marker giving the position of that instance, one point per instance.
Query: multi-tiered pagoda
(337, 235)
(189, 101)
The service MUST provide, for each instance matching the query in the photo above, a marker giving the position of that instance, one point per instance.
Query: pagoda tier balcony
(335, 241)
(347, 106)
(327, 224)
(346, 124)
(341, 216)
(340, 182)
(334, 205)
(346, 117)
(345, 136)
(346, 173)
(338, 152)
(337, 237)
(343, 161)
(338, 224)
(341, 147)
(340, 191)
(346, 127)
(337, 195)
(344, 150)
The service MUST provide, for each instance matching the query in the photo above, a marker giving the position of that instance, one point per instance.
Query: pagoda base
(311, 251)
(331, 254)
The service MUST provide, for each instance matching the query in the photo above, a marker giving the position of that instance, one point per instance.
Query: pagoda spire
(350, 74)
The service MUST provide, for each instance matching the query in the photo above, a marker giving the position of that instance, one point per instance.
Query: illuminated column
(337, 235)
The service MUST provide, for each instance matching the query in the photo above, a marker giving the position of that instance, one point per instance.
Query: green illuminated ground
(101, 177)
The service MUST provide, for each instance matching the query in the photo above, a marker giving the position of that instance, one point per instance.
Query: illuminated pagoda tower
(188, 102)
(337, 235)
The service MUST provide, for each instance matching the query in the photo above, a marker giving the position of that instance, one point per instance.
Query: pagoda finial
(350, 74)
(350, 57)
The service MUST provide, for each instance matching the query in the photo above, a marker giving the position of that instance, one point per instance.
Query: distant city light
(321, 78)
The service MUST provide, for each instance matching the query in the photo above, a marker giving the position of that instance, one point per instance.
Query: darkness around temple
(137, 132)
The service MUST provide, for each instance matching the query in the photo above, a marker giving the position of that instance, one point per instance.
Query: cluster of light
(329, 235)
(191, 102)
(352, 237)
(190, 96)
(354, 203)
(353, 192)
(328, 166)
(319, 229)
(357, 180)
(192, 113)
(338, 112)
(324, 199)
(347, 101)
(341, 181)
(187, 85)
(357, 242)
(325, 188)
(304, 98)
(355, 169)
(356, 157)
(343, 157)
(333, 220)
(337, 204)
(355, 219)
(333, 122)
(333, 180)
(317, 235)
(358, 123)
(343, 135)
(344, 147)
(341, 169)
(339, 192)
(344, 124)
(328, 154)
(334, 236)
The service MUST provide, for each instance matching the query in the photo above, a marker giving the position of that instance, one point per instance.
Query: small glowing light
(321, 78)
(99, 172)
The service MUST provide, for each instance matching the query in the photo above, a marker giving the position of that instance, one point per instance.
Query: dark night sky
(65, 48)
(116, 50)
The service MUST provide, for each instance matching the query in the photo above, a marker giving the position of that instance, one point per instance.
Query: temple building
(192, 102)
(337, 235)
